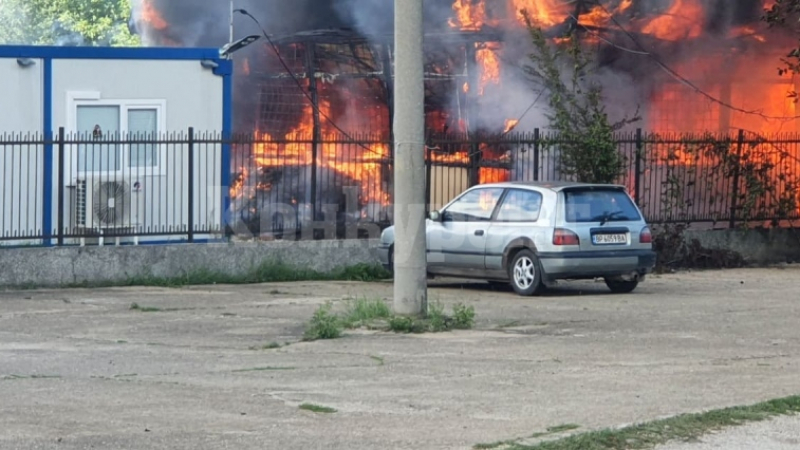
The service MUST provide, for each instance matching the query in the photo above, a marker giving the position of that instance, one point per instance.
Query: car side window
(475, 205)
(520, 206)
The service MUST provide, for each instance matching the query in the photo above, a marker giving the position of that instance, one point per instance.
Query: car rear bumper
(383, 256)
(597, 264)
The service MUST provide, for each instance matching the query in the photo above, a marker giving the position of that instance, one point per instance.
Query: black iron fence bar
(736, 174)
(61, 186)
(428, 181)
(190, 184)
(536, 150)
(637, 183)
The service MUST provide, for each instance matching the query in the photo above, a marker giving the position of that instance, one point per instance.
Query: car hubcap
(524, 273)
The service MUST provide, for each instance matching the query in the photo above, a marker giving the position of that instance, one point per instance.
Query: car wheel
(391, 259)
(525, 274)
(618, 286)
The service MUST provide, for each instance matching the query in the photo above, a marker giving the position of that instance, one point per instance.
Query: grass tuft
(563, 428)
(361, 311)
(317, 408)
(267, 272)
(648, 435)
(323, 325)
(262, 369)
(270, 346)
(463, 317)
(136, 307)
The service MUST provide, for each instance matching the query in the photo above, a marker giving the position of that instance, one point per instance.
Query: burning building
(319, 108)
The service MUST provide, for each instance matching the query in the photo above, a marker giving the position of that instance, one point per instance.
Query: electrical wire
(683, 80)
(320, 112)
(598, 36)
(299, 84)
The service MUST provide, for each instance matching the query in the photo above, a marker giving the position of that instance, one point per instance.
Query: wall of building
(186, 95)
(21, 116)
(192, 93)
(21, 96)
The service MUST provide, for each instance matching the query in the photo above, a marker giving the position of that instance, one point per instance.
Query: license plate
(605, 239)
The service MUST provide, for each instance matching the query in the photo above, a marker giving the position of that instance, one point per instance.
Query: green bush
(438, 321)
(463, 317)
(323, 325)
(401, 324)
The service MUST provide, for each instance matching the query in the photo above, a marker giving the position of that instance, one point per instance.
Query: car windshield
(599, 205)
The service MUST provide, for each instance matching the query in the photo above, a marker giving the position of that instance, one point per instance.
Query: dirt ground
(81, 369)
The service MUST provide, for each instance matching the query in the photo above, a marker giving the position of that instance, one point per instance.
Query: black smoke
(206, 23)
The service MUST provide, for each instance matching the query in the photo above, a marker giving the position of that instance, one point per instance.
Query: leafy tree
(786, 14)
(584, 133)
(66, 22)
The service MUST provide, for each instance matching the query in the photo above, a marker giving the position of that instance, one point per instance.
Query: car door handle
(478, 232)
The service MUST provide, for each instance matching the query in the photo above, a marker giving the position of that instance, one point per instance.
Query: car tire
(618, 286)
(525, 273)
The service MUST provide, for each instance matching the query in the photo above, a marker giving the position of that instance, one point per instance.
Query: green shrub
(323, 325)
(401, 324)
(438, 321)
(463, 317)
(361, 310)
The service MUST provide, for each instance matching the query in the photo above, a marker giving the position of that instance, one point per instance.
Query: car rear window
(599, 205)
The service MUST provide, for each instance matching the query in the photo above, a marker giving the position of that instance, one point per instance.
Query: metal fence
(94, 188)
(86, 189)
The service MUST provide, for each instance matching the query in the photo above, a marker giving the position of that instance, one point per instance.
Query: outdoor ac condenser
(102, 204)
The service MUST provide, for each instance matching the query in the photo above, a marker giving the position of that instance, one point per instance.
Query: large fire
(706, 88)
(287, 151)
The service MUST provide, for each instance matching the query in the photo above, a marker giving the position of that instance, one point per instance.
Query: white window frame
(92, 98)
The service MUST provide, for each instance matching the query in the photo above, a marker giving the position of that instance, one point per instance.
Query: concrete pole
(410, 271)
(230, 39)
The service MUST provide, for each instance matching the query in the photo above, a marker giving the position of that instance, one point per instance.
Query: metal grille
(80, 203)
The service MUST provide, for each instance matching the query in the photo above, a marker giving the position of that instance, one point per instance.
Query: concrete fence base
(53, 267)
(756, 246)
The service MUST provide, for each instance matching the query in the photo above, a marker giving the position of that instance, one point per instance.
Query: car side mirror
(435, 216)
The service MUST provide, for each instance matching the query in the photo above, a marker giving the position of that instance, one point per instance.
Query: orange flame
(510, 125)
(493, 175)
(469, 15)
(544, 13)
(150, 15)
(683, 20)
(490, 65)
(356, 161)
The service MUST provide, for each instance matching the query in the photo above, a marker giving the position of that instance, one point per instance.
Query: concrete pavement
(80, 369)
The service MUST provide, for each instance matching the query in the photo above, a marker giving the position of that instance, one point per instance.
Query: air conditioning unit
(103, 204)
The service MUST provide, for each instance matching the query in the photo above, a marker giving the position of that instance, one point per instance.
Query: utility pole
(230, 39)
(410, 252)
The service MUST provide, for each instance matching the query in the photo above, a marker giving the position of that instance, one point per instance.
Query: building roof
(142, 53)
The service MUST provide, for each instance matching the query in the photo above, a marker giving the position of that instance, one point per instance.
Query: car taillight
(565, 237)
(645, 236)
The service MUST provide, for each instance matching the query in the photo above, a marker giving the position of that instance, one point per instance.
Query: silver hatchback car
(532, 234)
